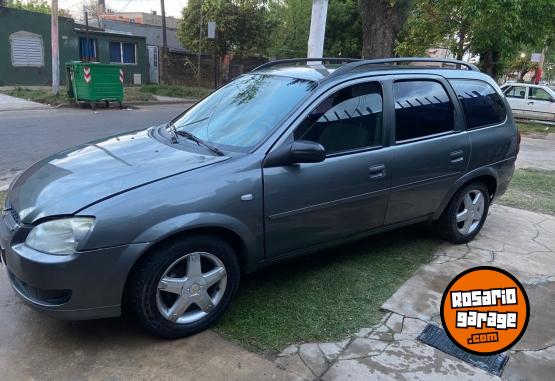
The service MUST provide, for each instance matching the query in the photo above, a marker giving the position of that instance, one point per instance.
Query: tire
(464, 231)
(152, 300)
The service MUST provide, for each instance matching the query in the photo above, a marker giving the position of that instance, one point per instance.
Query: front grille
(15, 216)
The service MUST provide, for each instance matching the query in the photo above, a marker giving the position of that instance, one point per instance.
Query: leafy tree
(40, 6)
(492, 29)
(241, 26)
(343, 29)
(291, 22)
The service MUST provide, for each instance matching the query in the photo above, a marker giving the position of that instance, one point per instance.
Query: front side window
(538, 94)
(422, 108)
(482, 106)
(123, 52)
(516, 92)
(241, 114)
(350, 119)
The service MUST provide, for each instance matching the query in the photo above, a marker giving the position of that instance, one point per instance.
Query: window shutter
(27, 49)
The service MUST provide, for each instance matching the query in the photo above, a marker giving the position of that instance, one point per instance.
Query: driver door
(310, 204)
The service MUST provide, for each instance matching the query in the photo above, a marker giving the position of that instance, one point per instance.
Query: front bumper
(85, 285)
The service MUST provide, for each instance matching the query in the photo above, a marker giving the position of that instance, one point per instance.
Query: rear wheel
(465, 214)
(184, 286)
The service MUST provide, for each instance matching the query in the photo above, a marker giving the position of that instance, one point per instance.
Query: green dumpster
(90, 82)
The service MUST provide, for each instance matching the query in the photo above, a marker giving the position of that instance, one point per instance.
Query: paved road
(28, 136)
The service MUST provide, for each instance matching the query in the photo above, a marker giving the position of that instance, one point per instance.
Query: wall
(13, 20)
(180, 69)
(152, 33)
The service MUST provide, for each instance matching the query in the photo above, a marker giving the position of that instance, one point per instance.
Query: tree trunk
(461, 35)
(381, 21)
(489, 62)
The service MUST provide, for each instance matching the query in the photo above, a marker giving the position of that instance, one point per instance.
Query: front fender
(190, 221)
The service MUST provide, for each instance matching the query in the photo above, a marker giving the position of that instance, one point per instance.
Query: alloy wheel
(191, 287)
(470, 212)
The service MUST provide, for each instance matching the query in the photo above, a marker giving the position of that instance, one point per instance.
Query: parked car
(531, 101)
(283, 161)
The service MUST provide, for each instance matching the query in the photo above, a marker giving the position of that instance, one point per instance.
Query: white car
(531, 101)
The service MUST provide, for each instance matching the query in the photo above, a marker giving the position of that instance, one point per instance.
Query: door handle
(457, 156)
(377, 171)
(530, 103)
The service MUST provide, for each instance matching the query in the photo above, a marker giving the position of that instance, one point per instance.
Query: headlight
(59, 237)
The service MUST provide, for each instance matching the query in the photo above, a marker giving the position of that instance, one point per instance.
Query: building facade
(25, 48)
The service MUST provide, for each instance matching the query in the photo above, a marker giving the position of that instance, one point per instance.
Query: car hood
(75, 178)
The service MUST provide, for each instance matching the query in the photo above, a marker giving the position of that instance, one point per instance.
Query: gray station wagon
(295, 156)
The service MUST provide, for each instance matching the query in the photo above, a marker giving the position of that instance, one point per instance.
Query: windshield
(242, 113)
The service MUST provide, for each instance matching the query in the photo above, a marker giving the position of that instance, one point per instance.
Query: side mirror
(300, 151)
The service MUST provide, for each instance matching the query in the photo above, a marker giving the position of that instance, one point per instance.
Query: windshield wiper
(175, 133)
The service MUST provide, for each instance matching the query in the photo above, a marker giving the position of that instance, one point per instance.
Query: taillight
(518, 140)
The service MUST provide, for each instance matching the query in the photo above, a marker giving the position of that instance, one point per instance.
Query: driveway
(518, 241)
(537, 153)
(35, 347)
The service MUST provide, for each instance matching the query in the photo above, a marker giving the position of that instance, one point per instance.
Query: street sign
(211, 29)
(536, 57)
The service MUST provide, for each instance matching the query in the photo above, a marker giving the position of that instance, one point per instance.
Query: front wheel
(465, 214)
(184, 286)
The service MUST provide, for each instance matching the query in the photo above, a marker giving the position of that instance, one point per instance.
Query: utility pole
(55, 49)
(317, 28)
(199, 45)
(87, 43)
(163, 56)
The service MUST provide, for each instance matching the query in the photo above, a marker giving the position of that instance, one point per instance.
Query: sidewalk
(9, 103)
(518, 241)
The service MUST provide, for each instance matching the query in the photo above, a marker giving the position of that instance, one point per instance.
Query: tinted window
(422, 108)
(516, 92)
(538, 94)
(349, 119)
(481, 104)
(242, 113)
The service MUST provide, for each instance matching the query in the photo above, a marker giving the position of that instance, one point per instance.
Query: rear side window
(482, 106)
(422, 108)
(539, 94)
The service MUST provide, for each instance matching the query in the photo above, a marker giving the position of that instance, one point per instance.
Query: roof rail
(296, 60)
(359, 63)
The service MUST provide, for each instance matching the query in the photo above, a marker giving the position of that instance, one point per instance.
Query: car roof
(328, 69)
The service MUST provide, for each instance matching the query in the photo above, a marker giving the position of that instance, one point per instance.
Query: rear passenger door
(430, 147)
(540, 103)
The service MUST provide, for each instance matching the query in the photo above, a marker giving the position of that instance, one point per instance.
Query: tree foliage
(241, 26)
(492, 29)
(40, 6)
(291, 19)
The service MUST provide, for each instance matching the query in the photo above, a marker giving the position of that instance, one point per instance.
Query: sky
(173, 7)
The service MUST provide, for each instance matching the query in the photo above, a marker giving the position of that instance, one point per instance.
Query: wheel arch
(236, 240)
(486, 175)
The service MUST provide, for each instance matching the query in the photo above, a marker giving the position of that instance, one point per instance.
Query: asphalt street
(30, 135)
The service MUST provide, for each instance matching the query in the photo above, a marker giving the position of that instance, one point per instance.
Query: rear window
(481, 104)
